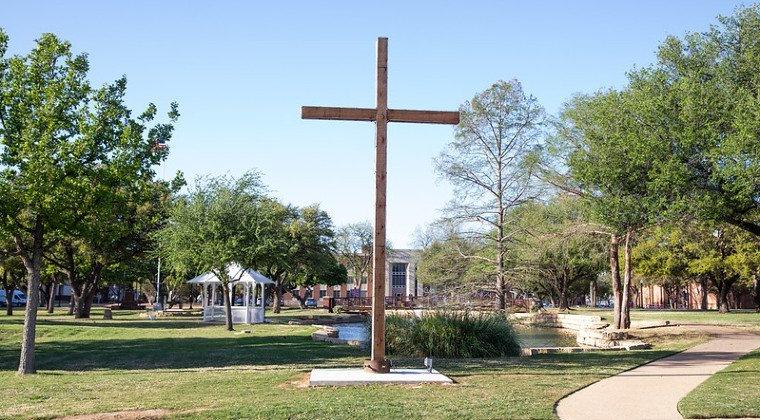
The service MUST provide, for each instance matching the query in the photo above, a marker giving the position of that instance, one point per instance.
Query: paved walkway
(652, 391)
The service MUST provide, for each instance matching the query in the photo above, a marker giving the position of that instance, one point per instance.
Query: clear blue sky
(241, 70)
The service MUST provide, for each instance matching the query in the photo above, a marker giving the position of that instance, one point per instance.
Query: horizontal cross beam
(370, 114)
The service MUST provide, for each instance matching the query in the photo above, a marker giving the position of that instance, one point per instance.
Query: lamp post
(158, 286)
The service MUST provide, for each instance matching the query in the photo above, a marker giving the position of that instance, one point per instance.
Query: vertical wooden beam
(377, 362)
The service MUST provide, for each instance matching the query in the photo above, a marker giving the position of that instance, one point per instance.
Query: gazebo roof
(248, 276)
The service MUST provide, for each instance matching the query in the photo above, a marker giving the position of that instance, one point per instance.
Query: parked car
(311, 303)
(19, 298)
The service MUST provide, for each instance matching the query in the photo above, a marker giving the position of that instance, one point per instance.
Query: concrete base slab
(358, 376)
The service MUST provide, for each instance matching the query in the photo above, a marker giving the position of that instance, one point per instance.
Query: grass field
(195, 370)
(732, 392)
(745, 318)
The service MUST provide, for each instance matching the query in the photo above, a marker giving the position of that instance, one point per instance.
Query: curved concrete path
(652, 391)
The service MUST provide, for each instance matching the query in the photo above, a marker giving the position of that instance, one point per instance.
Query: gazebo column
(263, 301)
(213, 300)
(203, 299)
(247, 298)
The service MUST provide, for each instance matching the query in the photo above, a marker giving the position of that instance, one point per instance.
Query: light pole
(158, 286)
(160, 144)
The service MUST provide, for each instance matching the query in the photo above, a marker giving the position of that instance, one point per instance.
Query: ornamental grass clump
(451, 335)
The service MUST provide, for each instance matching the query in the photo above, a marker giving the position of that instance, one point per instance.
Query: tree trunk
(723, 298)
(276, 305)
(33, 264)
(26, 361)
(625, 307)
(501, 302)
(9, 301)
(84, 291)
(757, 293)
(297, 296)
(227, 305)
(615, 277)
(563, 295)
(82, 305)
(703, 286)
(51, 298)
(563, 300)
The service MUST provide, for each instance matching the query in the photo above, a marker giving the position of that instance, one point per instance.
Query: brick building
(686, 297)
(401, 281)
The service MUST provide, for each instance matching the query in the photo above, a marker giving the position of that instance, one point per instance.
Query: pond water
(528, 336)
(356, 331)
(544, 337)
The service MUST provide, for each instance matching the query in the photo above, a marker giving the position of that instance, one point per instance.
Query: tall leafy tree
(442, 268)
(723, 253)
(710, 120)
(59, 136)
(11, 273)
(553, 259)
(612, 156)
(113, 234)
(680, 140)
(301, 251)
(719, 256)
(216, 224)
(486, 163)
(661, 257)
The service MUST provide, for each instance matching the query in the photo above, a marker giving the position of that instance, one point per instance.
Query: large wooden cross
(381, 115)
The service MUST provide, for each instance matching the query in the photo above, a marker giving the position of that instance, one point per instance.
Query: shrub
(451, 335)
(338, 309)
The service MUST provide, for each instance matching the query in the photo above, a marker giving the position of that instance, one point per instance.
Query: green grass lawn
(202, 371)
(732, 392)
(739, 318)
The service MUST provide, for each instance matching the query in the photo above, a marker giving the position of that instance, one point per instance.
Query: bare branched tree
(354, 247)
(489, 166)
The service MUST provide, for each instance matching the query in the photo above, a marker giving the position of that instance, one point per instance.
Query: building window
(336, 293)
(364, 279)
(363, 293)
(398, 275)
(322, 293)
(350, 280)
(308, 294)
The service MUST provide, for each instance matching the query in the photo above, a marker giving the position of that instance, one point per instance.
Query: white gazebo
(248, 312)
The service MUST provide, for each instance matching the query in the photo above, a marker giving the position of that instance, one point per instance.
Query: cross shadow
(693, 358)
(127, 323)
(558, 364)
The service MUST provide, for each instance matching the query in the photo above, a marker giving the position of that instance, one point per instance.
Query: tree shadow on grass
(182, 353)
(561, 364)
(116, 323)
(317, 319)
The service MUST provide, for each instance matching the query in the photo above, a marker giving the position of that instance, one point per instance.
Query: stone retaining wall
(566, 321)
(609, 339)
(590, 330)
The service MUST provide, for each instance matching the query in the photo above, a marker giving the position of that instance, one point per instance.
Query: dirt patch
(300, 381)
(123, 415)
(697, 333)
(690, 330)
